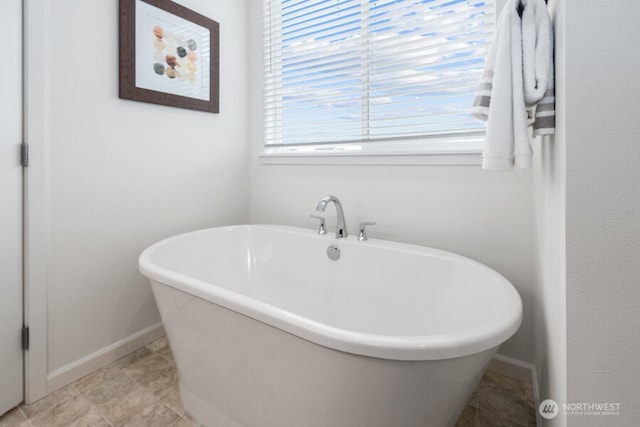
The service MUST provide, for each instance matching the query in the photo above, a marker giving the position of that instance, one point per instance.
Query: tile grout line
(150, 391)
(92, 406)
(36, 414)
(23, 414)
(81, 394)
(180, 416)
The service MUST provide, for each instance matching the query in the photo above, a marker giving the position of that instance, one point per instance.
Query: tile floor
(499, 401)
(141, 389)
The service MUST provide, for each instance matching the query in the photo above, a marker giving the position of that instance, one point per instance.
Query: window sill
(443, 151)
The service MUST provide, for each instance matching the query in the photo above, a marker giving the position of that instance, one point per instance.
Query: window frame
(456, 148)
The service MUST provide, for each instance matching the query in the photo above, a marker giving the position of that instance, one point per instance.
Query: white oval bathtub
(266, 330)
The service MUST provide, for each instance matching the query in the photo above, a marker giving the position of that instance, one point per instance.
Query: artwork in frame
(169, 55)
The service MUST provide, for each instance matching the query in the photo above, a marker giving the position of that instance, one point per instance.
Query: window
(350, 74)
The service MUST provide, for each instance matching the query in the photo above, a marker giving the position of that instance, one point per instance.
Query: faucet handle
(321, 229)
(362, 236)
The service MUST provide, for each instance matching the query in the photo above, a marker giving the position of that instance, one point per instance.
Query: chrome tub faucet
(341, 227)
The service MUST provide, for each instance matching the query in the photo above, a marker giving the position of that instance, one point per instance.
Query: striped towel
(518, 79)
(537, 69)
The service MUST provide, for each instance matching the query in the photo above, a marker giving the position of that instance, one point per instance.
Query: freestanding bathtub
(267, 331)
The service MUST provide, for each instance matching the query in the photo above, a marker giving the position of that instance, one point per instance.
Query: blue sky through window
(371, 68)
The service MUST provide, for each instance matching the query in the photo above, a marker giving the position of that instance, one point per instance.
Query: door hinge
(24, 154)
(25, 338)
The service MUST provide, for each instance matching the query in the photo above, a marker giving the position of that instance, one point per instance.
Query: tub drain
(333, 252)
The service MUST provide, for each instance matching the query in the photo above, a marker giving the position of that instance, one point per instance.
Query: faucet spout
(341, 227)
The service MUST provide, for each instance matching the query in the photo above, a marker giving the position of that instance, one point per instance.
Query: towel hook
(521, 7)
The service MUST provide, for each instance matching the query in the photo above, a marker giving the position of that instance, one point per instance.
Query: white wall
(549, 181)
(603, 207)
(120, 175)
(587, 318)
(485, 215)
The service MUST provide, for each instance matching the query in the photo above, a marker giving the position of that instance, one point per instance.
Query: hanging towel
(502, 99)
(500, 96)
(537, 50)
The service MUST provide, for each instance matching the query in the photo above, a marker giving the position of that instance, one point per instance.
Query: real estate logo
(548, 409)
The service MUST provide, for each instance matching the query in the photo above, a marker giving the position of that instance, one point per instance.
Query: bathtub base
(236, 371)
(202, 410)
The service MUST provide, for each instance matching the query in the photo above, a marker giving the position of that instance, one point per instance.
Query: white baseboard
(521, 371)
(516, 369)
(92, 362)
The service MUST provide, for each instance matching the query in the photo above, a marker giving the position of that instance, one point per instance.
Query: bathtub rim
(409, 348)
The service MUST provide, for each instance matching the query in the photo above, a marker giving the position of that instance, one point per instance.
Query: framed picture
(169, 55)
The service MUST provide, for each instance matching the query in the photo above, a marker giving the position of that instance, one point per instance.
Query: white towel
(503, 95)
(537, 50)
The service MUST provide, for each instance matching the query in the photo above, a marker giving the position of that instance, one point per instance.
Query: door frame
(36, 198)
(12, 281)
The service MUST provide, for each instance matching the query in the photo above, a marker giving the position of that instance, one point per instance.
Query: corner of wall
(550, 199)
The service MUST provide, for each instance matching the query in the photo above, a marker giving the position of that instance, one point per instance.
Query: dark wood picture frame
(128, 88)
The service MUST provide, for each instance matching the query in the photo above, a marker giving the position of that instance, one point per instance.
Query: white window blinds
(363, 70)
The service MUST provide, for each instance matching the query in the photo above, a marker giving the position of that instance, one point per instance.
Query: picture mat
(147, 17)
